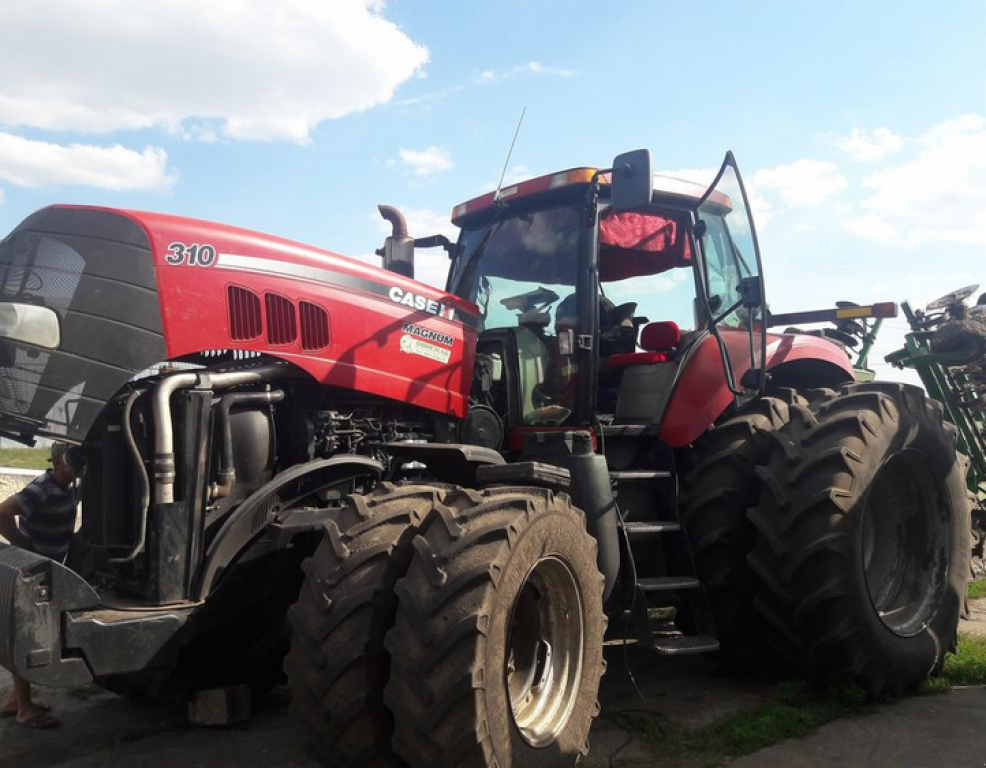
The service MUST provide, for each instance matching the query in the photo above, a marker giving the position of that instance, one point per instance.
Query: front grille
(282, 324)
(244, 314)
(314, 326)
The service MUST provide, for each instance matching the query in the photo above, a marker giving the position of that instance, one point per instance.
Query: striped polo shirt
(47, 516)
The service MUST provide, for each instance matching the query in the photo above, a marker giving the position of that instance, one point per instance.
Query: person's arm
(9, 510)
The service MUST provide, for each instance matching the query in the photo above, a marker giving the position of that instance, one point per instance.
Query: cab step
(638, 475)
(668, 583)
(679, 645)
(639, 530)
(631, 430)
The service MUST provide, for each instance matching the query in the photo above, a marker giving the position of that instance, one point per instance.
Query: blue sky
(860, 128)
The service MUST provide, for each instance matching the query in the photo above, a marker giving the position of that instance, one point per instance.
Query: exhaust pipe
(398, 249)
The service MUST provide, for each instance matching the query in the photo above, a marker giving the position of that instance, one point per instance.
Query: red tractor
(440, 498)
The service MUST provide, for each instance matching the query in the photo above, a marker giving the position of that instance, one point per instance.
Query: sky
(860, 128)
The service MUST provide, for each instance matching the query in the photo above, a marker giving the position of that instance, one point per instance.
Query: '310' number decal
(193, 255)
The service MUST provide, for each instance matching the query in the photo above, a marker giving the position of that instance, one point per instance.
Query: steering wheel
(527, 301)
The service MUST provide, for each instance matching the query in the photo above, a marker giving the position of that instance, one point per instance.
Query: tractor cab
(592, 294)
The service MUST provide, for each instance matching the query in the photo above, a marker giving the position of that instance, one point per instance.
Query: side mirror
(632, 181)
(398, 248)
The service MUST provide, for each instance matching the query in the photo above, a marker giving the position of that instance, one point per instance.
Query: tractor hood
(91, 297)
(90, 275)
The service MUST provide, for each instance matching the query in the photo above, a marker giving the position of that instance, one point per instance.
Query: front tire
(497, 647)
(864, 538)
(338, 665)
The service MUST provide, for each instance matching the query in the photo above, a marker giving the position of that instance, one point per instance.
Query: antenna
(499, 184)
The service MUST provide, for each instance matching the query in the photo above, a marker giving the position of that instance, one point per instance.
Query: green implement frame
(946, 381)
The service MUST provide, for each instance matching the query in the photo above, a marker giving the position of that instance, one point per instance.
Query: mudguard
(701, 395)
(267, 503)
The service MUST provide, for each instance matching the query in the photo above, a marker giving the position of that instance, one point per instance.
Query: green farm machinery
(946, 346)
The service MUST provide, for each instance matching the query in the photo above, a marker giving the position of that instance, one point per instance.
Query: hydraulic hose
(145, 483)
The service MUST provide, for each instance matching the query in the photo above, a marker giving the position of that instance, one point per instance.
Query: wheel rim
(545, 648)
(906, 542)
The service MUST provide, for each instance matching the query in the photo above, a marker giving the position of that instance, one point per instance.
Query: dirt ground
(101, 729)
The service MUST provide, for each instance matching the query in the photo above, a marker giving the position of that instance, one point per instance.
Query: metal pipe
(393, 215)
(164, 435)
(145, 484)
(227, 466)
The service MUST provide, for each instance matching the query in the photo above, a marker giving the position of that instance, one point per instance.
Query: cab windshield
(522, 270)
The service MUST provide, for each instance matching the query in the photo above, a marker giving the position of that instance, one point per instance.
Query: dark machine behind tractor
(440, 500)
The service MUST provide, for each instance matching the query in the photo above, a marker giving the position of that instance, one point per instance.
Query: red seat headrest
(660, 337)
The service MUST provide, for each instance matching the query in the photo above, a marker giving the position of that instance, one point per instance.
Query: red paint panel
(362, 304)
(701, 394)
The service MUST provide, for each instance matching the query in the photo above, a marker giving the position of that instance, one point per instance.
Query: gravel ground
(11, 484)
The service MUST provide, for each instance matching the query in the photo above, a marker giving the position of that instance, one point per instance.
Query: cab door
(732, 278)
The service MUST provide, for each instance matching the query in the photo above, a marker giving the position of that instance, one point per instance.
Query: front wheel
(497, 647)
(864, 537)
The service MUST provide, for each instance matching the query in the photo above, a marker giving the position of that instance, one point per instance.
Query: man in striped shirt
(40, 518)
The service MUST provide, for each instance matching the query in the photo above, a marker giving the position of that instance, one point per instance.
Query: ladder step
(631, 430)
(678, 645)
(642, 530)
(637, 475)
(667, 583)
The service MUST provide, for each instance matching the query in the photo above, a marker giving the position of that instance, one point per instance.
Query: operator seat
(658, 341)
(646, 377)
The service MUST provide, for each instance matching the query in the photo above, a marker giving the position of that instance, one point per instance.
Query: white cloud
(27, 163)
(268, 71)
(530, 68)
(866, 147)
(937, 196)
(426, 161)
(803, 182)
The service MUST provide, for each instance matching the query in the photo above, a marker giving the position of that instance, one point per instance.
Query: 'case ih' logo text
(421, 303)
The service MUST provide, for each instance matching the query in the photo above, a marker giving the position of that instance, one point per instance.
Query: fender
(264, 506)
(701, 395)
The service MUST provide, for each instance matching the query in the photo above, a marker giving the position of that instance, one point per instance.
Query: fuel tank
(91, 296)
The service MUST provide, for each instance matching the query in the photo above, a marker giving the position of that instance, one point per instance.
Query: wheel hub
(906, 542)
(545, 649)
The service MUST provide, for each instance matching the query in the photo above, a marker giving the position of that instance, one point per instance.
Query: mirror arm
(435, 241)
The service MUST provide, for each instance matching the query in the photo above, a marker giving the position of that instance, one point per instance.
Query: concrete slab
(945, 731)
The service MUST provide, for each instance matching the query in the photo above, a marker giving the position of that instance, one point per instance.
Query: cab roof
(663, 186)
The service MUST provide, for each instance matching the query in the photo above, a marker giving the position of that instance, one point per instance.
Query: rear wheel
(718, 490)
(864, 538)
(338, 665)
(497, 647)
